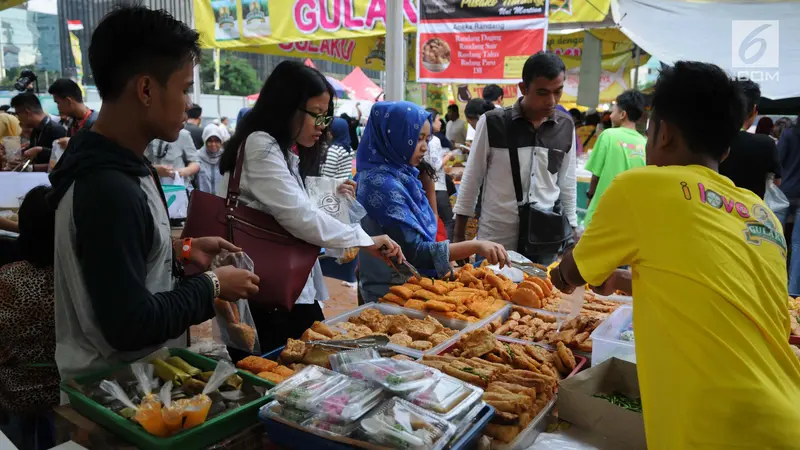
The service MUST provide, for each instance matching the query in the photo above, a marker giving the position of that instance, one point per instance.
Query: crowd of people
(680, 209)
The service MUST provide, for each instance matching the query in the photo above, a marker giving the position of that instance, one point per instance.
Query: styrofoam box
(606, 342)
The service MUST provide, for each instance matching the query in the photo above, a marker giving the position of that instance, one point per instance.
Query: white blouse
(271, 183)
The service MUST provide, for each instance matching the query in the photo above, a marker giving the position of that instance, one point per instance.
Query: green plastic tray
(212, 431)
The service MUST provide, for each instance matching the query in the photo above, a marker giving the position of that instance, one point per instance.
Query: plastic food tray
(580, 360)
(386, 309)
(605, 338)
(289, 436)
(507, 312)
(212, 431)
(528, 435)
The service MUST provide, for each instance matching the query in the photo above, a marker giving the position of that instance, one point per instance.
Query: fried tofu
(311, 335)
(256, 364)
(293, 352)
(478, 343)
(419, 329)
(420, 345)
(273, 377)
(402, 339)
(283, 371)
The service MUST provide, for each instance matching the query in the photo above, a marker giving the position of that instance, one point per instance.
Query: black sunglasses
(320, 120)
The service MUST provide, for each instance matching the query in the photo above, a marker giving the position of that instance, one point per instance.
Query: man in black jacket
(753, 157)
(45, 131)
(118, 293)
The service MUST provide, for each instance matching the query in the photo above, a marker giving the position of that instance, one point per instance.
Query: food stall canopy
(251, 25)
(754, 39)
(361, 86)
(5, 4)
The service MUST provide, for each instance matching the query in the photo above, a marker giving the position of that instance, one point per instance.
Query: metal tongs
(531, 269)
(347, 344)
(408, 265)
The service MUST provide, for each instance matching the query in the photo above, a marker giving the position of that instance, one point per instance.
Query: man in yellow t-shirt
(708, 271)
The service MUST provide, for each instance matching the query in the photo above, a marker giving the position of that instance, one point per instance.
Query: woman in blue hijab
(393, 145)
(339, 157)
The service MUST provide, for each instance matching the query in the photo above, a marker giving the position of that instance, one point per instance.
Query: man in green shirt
(617, 149)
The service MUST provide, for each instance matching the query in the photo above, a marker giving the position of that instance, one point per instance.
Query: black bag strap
(513, 155)
(590, 136)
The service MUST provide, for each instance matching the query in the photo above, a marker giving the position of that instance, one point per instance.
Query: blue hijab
(341, 133)
(388, 187)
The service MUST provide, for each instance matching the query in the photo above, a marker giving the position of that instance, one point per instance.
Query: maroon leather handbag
(282, 262)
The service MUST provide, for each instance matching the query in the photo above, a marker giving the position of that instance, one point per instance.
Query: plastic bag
(234, 325)
(324, 192)
(195, 410)
(775, 199)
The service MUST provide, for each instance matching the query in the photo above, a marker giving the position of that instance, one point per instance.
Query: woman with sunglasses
(393, 146)
(293, 111)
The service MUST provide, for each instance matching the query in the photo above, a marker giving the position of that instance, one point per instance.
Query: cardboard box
(577, 405)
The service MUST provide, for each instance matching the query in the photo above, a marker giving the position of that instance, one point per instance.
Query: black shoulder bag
(541, 232)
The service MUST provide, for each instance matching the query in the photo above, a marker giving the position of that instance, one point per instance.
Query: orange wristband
(186, 250)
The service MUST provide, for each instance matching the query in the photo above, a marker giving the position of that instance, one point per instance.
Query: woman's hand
(348, 188)
(494, 253)
(384, 247)
(165, 171)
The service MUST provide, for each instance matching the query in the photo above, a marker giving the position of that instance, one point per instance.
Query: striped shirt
(338, 163)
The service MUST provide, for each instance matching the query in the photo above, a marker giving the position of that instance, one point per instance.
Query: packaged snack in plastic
(195, 409)
(275, 409)
(148, 413)
(350, 356)
(447, 396)
(234, 324)
(308, 387)
(400, 377)
(399, 424)
(320, 423)
(171, 413)
(348, 403)
(324, 192)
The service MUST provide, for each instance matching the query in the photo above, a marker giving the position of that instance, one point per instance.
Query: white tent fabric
(759, 40)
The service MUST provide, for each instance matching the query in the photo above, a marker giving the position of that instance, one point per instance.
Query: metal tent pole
(395, 50)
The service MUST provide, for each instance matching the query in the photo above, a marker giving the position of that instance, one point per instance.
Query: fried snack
(401, 339)
(399, 323)
(223, 309)
(321, 328)
(283, 371)
(425, 294)
(437, 326)
(293, 352)
(412, 287)
(565, 355)
(558, 364)
(439, 289)
(514, 389)
(506, 327)
(311, 335)
(495, 281)
(477, 307)
(402, 292)
(402, 357)
(478, 343)
(414, 281)
(415, 304)
(504, 418)
(392, 298)
(440, 365)
(420, 345)
(426, 283)
(444, 358)
(256, 364)
(242, 335)
(420, 330)
(273, 377)
(527, 297)
(435, 305)
(438, 338)
(467, 375)
(503, 433)
(319, 357)
(456, 315)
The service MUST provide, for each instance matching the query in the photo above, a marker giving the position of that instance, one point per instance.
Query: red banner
(465, 41)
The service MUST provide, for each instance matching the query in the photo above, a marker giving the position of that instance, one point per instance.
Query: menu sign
(487, 40)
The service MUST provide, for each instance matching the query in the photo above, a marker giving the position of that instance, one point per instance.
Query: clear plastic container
(399, 377)
(321, 423)
(447, 396)
(402, 425)
(349, 402)
(606, 338)
(350, 356)
(276, 410)
(308, 387)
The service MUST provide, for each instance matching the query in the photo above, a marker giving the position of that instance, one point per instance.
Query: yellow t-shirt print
(711, 322)
(760, 224)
